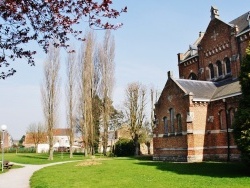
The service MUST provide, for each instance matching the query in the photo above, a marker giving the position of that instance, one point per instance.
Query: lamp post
(3, 128)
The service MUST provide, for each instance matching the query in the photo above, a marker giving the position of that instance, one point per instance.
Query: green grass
(129, 172)
(39, 158)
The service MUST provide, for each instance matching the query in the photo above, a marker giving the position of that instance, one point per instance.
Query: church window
(222, 119)
(171, 111)
(192, 76)
(211, 68)
(179, 124)
(165, 122)
(228, 65)
(219, 65)
(231, 113)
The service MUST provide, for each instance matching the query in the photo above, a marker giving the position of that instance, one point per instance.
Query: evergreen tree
(242, 116)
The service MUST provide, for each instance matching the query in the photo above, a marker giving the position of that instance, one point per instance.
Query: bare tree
(106, 55)
(86, 92)
(135, 104)
(153, 99)
(50, 93)
(36, 133)
(71, 102)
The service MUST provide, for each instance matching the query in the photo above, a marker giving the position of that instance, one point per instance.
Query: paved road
(19, 177)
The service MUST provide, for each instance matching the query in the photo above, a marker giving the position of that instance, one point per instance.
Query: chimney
(214, 13)
(170, 74)
(201, 34)
(180, 57)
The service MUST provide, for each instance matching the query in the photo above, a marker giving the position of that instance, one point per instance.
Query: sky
(154, 32)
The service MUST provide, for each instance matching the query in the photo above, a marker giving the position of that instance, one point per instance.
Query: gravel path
(19, 177)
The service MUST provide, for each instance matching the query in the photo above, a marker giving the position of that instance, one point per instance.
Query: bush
(242, 116)
(124, 147)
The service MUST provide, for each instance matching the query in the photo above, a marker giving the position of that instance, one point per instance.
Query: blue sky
(146, 48)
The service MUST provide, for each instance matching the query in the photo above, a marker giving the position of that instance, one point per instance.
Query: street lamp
(3, 128)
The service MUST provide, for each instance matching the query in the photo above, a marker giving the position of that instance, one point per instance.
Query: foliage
(129, 172)
(242, 116)
(42, 20)
(21, 150)
(96, 111)
(20, 142)
(124, 147)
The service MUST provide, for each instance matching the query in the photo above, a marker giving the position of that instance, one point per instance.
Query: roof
(242, 22)
(202, 90)
(226, 88)
(208, 90)
(61, 132)
(193, 49)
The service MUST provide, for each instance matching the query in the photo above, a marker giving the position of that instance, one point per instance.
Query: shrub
(124, 147)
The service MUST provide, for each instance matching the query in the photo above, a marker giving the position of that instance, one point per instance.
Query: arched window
(211, 68)
(228, 65)
(165, 122)
(192, 76)
(179, 123)
(231, 113)
(219, 65)
(222, 119)
(171, 111)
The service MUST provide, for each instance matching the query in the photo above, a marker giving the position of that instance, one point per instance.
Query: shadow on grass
(212, 169)
(34, 156)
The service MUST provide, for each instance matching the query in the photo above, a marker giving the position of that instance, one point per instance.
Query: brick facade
(194, 117)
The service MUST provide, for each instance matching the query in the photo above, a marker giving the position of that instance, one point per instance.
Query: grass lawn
(34, 158)
(130, 172)
(40, 158)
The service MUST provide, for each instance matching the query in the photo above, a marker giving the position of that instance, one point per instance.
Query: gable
(172, 95)
(217, 33)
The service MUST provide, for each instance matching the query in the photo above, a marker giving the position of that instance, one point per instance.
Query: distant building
(122, 132)
(60, 139)
(194, 113)
(8, 142)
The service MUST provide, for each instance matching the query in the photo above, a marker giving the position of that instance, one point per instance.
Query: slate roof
(209, 91)
(241, 22)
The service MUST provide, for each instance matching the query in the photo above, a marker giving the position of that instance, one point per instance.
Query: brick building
(194, 113)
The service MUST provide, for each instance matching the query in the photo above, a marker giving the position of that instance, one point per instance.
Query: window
(179, 124)
(219, 65)
(165, 121)
(171, 111)
(222, 118)
(192, 76)
(211, 68)
(228, 65)
(231, 117)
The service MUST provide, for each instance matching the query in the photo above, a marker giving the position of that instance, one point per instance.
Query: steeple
(214, 12)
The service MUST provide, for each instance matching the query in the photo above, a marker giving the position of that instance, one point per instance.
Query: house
(60, 139)
(122, 132)
(8, 142)
(194, 113)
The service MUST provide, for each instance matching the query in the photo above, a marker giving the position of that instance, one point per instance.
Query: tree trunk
(137, 145)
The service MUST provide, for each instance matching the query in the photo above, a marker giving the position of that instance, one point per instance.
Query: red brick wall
(174, 145)
(188, 67)
(227, 44)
